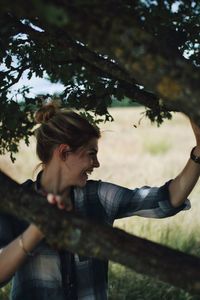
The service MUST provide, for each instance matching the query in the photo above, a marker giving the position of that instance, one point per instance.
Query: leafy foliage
(93, 48)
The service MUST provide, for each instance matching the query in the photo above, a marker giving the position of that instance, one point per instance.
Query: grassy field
(132, 157)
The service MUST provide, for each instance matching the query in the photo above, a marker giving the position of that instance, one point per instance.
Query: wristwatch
(195, 158)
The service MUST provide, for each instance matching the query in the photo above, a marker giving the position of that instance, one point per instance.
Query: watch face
(194, 157)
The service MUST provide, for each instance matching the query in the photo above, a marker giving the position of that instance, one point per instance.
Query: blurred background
(132, 153)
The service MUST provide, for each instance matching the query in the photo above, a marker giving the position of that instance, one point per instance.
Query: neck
(52, 181)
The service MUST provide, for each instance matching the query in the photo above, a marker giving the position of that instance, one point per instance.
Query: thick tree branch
(99, 62)
(80, 50)
(109, 68)
(72, 232)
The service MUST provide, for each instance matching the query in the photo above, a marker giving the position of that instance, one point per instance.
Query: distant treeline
(126, 102)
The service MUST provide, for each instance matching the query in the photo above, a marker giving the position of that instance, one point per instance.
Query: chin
(81, 183)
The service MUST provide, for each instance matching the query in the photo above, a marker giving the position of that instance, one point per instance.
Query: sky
(39, 85)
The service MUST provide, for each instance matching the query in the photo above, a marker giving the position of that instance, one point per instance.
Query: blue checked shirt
(39, 278)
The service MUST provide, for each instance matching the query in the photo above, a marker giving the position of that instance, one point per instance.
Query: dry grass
(125, 151)
(127, 159)
(132, 157)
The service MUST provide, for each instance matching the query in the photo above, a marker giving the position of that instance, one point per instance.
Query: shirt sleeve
(6, 230)
(150, 202)
(6, 235)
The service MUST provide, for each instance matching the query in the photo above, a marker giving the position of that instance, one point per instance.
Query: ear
(63, 150)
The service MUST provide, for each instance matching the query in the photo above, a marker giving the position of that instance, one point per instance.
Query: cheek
(78, 165)
(78, 169)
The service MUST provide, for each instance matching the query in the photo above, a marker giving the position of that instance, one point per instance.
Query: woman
(67, 145)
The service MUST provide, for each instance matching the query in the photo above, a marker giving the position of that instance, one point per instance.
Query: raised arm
(182, 185)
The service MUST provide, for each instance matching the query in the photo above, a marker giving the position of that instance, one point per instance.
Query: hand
(62, 202)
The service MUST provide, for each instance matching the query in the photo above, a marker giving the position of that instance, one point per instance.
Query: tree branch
(72, 232)
(100, 63)
(16, 79)
(111, 69)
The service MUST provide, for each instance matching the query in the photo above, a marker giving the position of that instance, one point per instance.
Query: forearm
(13, 256)
(183, 184)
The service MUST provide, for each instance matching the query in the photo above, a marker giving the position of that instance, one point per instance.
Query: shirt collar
(38, 187)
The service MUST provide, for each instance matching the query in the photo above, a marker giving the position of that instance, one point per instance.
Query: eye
(92, 154)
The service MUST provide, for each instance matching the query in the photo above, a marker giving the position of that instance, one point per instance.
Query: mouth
(88, 172)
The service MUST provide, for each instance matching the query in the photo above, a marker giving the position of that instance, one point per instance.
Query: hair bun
(45, 113)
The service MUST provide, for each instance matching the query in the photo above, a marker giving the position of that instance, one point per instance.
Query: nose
(96, 163)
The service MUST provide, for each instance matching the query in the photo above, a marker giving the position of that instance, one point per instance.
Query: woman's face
(81, 163)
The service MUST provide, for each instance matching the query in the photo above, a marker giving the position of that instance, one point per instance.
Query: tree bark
(72, 232)
(111, 68)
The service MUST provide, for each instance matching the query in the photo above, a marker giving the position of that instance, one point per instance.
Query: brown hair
(61, 127)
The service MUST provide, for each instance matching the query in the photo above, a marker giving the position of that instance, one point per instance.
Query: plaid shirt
(40, 276)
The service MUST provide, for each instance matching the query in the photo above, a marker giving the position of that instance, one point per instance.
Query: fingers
(57, 200)
(51, 199)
